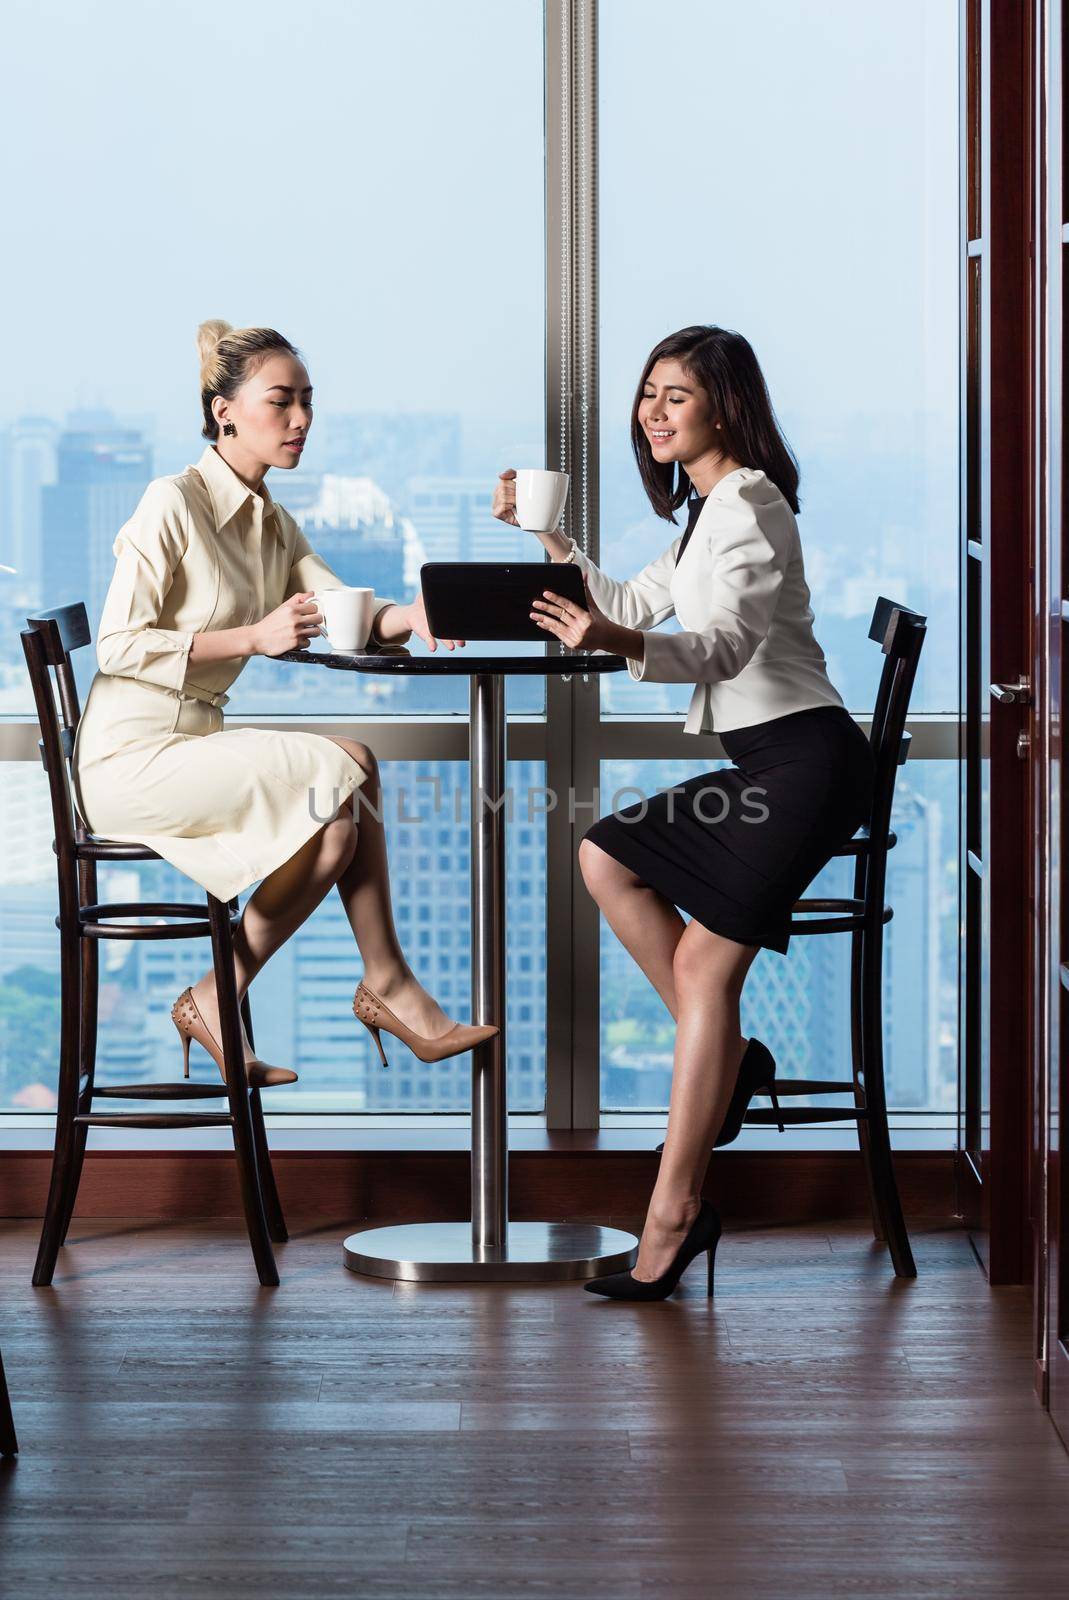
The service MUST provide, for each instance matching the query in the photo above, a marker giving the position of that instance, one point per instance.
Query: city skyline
(835, 254)
(437, 506)
(797, 1003)
(905, 557)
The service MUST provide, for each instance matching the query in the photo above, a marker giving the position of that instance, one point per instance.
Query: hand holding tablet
(579, 627)
(494, 600)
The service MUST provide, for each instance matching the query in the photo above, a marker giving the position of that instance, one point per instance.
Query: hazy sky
(369, 179)
(787, 168)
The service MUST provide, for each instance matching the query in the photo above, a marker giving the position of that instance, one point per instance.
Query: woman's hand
(579, 630)
(416, 619)
(289, 627)
(504, 506)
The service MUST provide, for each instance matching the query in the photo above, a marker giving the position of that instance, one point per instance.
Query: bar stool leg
(879, 1138)
(90, 960)
(276, 1221)
(857, 1054)
(81, 1134)
(66, 1166)
(238, 1092)
(9, 1445)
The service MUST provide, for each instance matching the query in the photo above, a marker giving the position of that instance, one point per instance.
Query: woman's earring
(229, 429)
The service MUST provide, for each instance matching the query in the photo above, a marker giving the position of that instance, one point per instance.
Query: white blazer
(740, 592)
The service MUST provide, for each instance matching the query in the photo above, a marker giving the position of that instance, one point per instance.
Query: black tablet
(491, 599)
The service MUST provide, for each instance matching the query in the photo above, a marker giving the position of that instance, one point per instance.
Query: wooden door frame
(1051, 927)
(997, 525)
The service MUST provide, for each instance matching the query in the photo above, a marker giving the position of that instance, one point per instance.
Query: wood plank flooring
(818, 1430)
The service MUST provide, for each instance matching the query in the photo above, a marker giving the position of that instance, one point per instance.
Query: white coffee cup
(347, 614)
(540, 498)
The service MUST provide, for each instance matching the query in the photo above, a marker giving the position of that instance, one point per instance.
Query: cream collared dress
(153, 762)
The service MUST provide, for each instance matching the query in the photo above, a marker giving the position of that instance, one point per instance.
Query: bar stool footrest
(155, 1119)
(849, 916)
(861, 843)
(785, 1086)
(92, 923)
(185, 1089)
(800, 1114)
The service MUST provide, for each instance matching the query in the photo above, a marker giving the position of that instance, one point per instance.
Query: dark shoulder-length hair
(723, 364)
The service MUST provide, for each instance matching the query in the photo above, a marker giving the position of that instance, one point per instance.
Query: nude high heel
(191, 1025)
(376, 1015)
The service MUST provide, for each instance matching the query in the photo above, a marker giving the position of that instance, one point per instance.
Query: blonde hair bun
(209, 335)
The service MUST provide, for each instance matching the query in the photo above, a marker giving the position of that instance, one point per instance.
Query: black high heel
(757, 1075)
(703, 1234)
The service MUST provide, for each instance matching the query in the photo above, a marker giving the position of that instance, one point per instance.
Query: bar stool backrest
(900, 633)
(47, 642)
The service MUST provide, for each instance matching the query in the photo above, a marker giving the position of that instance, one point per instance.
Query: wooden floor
(820, 1429)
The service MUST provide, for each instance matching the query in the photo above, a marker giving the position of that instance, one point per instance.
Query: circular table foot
(443, 1252)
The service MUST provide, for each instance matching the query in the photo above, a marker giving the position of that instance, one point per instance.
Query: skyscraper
(454, 522)
(27, 465)
(353, 525)
(393, 447)
(101, 473)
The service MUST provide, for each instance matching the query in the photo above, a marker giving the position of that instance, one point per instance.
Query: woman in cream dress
(210, 571)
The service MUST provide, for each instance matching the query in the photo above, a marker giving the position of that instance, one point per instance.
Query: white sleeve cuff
(637, 669)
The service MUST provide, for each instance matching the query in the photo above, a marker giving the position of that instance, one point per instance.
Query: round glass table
(488, 1247)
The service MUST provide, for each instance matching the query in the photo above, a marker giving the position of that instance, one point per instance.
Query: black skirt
(736, 848)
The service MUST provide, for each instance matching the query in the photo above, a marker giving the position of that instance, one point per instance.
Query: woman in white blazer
(210, 571)
(733, 849)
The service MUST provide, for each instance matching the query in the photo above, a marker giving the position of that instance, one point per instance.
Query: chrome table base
(490, 1248)
(445, 1252)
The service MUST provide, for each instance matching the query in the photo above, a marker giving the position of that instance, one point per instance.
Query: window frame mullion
(572, 705)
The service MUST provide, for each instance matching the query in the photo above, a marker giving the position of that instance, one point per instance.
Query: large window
(796, 180)
(302, 1001)
(799, 1005)
(425, 198)
(369, 180)
(371, 183)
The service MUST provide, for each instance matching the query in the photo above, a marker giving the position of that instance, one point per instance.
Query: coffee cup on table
(540, 498)
(347, 614)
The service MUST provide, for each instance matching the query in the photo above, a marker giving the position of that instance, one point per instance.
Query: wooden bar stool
(900, 634)
(47, 642)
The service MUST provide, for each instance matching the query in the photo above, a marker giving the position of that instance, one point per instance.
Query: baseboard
(756, 1186)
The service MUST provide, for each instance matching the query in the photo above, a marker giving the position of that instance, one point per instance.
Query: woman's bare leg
(283, 901)
(364, 887)
(699, 975)
(709, 972)
(647, 925)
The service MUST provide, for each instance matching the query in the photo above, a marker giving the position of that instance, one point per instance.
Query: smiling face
(675, 415)
(272, 412)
